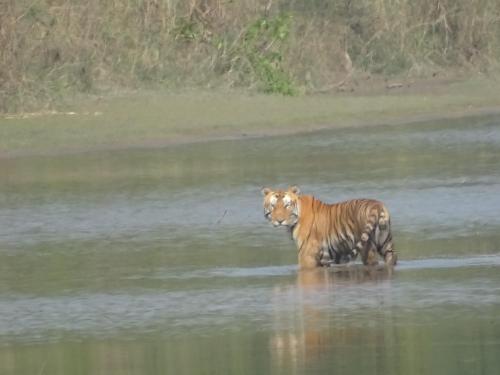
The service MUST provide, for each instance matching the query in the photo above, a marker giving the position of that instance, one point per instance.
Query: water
(160, 261)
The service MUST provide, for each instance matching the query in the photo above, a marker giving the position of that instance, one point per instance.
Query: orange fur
(332, 233)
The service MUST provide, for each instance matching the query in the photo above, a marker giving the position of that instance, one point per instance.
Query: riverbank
(157, 119)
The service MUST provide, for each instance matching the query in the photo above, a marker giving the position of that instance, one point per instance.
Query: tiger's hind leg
(383, 237)
(369, 254)
(387, 251)
(365, 246)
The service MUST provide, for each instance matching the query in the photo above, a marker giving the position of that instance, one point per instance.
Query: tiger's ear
(294, 189)
(265, 191)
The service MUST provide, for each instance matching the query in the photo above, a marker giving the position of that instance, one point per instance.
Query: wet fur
(328, 234)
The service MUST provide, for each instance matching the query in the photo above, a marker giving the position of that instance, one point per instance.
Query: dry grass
(52, 48)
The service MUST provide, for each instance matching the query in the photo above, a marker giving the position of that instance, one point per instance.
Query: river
(159, 261)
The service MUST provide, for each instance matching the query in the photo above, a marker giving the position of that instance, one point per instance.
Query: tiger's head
(281, 207)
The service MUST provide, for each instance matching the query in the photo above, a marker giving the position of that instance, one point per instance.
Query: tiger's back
(344, 230)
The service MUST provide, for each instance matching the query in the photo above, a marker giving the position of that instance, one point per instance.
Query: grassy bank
(52, 49)
(154, 119)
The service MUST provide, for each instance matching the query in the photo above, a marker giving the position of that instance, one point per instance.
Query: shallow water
(160, 261)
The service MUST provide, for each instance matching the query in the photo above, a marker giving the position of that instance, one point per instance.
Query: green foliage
(186, 30)
(263, 48)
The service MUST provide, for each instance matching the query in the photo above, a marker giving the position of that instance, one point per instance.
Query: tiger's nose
(280, 221)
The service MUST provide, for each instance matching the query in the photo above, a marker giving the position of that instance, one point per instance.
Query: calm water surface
(160, 261)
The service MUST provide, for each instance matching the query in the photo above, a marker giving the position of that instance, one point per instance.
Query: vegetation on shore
(155, 119)
(54, 48)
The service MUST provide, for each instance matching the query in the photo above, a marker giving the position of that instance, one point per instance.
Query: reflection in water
(314, 337)
(455, 334)
(351, 319)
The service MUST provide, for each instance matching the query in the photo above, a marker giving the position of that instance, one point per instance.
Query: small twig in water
(222, 217)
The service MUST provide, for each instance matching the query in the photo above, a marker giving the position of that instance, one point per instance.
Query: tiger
(328, 234)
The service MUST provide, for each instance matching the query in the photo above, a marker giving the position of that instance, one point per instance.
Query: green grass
(153, 119)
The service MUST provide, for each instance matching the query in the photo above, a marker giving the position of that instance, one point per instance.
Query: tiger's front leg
(310, 255)
(309, 261)
(326, 259)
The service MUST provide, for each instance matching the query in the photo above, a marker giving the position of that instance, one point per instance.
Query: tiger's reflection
(312, 332)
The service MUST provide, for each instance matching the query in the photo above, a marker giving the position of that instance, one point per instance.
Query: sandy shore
(155, 120)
